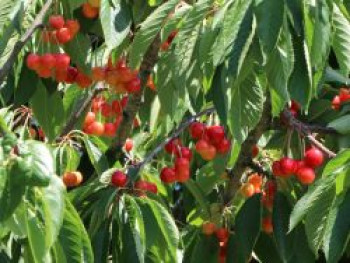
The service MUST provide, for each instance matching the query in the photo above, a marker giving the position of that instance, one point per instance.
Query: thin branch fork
(38, 22)
(176, 133)
(304, 130)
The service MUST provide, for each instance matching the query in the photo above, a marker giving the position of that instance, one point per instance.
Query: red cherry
(62, 61)
(63, 35)
(267, 225)
(183, 177)
(270, 188)
(89, 11)
(336, 103)
(119, 179)
(129, 144)
(133, 86)
(276, 168)
(106, 110)
(33, 61)
(72, 73)
(44, 72)
(124, 101)
(109, 129)
(216, 134)
(82, 80)
(288, 166)
(255, 151)
(56, 21)
(267, 201)
(222, 234)
(313, 157)
(97, 128)
(197, 130)
(167, 175)
(165, 46)
(184, 152)
(141, 185)
(61, 75)
(151, 187)
(98, 74)
(224, 146)
(73, 26)
(256, 180)
(306, 175)
(181, 165)
(209, 154)
(202, 146)
(208, 228)
(89, 118)
(172, 146)
(116, 106)
(48, 61)
(295, 106)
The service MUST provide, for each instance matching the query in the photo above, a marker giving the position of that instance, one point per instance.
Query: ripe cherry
(119, 179)
(208, 228)
(33, 61)
(209, 154)
(336, 103)
(313, 157)
(256, 180)
(306, 175)
(202, 146)
(288, 166)
(73, 26)
(62, 61)
(72, 73)
(72, 179)
(63, 35)
(61, 75)
(167, 175)
(171, 146)
(106, 110)
(276, 168)
(151, 187)
(197, 130)
(184, 152)
(109, 129)
(116, 106)
(224, 146)
(216, 134)
(248, 190)
(183, 177)
(129, 144)
(56, 21)
(89, 11)
(267, 225)
(124, 101)
(89, 118)
(48, 61)
(44, 72)
(181, 165)
(133, 86)
(222, 234)
(82, 80)
(141, 185)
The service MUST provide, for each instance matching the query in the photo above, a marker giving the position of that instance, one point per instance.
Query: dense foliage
(174, 131)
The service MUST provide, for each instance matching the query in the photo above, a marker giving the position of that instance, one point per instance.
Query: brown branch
(81, 108)
(38, 22)
(245, 155)
(135, 101)
(313, 128)
(304, 130)
(173, 135)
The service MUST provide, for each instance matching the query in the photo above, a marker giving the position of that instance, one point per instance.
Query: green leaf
(24, 92)
(281, 213)
(247, 100)
(337, 165)
(337, 235)
(6, 8)
(300, 82)
(116, 21)
(341, 125)
(341, 40)
(321, 190)
(231, 26)
(148, 31)
(98, 160)
(48, 110)
(269, 26)
(193, 188)
(247, 230)
(266, 250)
(205, 250)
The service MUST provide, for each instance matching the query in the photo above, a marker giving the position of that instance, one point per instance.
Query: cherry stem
(38, 22)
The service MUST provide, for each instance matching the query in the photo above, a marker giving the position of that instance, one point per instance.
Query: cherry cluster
(222, 234)
(268, 197)
(109, 111)
(252, 186)
(58, 67)
(122, 78)
(60, 31)
(211, 140)
(181, 170)
(91, 9)
(304, 169)
(120, 179)
(166, 44)
(344, 96)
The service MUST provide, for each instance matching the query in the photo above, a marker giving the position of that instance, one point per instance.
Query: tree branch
(135, 101)
(38, 22)
(173, 135)
(245, 155)
(305, 130)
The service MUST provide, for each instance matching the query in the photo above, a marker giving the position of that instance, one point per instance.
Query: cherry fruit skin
(72, 179)
(216, 134)
(119, 179)
(33, 61)
(184, 152)
(56, 21)
(276, 168)
(313, 157)
(167, 175)
(267, 225)
(288, 166)
(171, 147)
(197, 130)
(63, 35)
(222, 234)
(306, 175)
(248, 190)
(129, 144)
(224, 146)
(48, 61)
